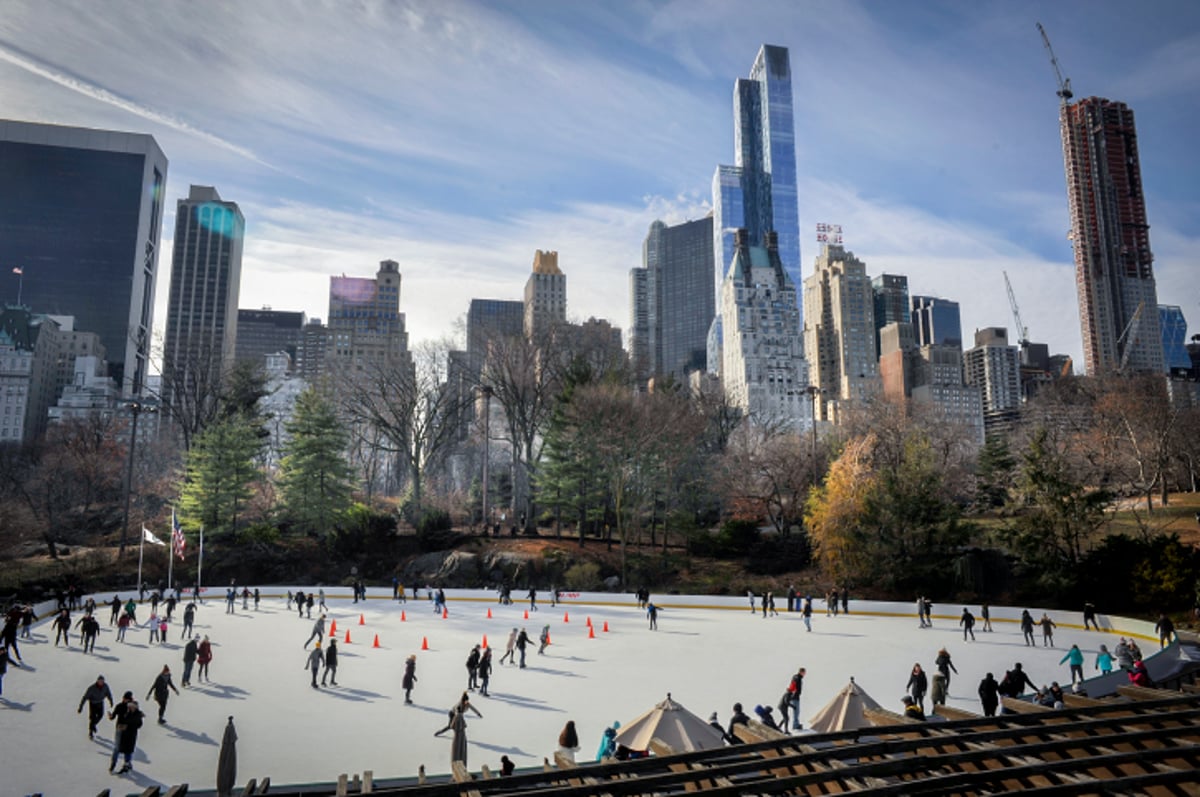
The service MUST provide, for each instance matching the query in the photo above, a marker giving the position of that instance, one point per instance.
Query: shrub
(583, 576)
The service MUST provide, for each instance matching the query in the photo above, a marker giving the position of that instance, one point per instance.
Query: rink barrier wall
(1109, 624)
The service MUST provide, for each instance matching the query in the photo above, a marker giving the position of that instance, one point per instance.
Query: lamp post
(486, 392)
(136, 408)
(813, 391)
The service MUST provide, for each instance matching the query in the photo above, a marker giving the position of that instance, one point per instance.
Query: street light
(136, 407)
(486, 392)
(813, 391)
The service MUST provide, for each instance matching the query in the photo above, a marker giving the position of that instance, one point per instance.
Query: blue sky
(458, 137)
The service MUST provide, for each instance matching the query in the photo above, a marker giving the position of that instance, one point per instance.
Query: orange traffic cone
(485, 640)
(489, 614)
(605, 629)
(424, 643)
(333, 627)
(402, 616)
(589, 621)
(547, 637)
(566, 619)
(347, 636)
(376, 641)
(591, 632)
(526, 614)
(361, 621)
(445, 612)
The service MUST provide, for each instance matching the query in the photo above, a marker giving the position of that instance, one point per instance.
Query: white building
(763, 367)
(839, 330)
(995, 368)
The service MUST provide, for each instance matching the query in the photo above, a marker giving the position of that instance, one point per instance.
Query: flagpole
(141, 552)
(170, 560)
(200, 563)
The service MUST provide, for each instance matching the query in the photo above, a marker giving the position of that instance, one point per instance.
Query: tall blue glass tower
(1174, 337)
(758, 193)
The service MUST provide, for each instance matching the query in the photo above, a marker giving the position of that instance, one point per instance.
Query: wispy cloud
(17, 58)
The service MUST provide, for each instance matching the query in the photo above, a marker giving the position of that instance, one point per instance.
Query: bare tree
(406, 399)
(525, 386)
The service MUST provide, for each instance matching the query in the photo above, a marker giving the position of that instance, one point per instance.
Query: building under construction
(1114, 278)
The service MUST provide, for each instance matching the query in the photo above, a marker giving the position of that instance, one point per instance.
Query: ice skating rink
(708, 652)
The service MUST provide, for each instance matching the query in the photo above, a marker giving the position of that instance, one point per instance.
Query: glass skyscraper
(80, 212)
(206, 278)
(672, 307)
(1174, 337)
(936, 322)
(758, 193)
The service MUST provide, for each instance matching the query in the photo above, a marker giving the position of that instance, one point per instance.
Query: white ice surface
(708, 653)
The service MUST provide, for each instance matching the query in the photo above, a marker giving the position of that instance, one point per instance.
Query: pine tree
(315, 478)
(220, 473)
(994, 473)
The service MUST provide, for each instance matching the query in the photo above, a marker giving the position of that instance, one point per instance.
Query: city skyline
(457, 139)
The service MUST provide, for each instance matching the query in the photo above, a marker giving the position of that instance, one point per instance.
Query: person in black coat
(161, 689)
(1015, 681)
(918, 685)
(522, 641)
(128, 718)
(989, 695)
(410, 677)
(331, 662)
(739, 718)
(473, 669)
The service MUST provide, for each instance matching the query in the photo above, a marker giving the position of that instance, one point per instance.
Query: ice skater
(410, 677)
(533, 599)
(1048, 627)
(161, 689)
(94, 696)
(522, 642)
(945, 666)
(190, 651)
(543, 639)
(985, 613)
(1027, 627)
(331, 664)
(509, 646)
(1074, 659)
(473, 668)
(203, 657)
(967, 621)
(62, 626)
(318, 632)
(485, 671)
(313, 662)
(652, 613)
(128, 719)
(189, 618)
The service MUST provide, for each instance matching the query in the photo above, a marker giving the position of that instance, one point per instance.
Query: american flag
(178, 542)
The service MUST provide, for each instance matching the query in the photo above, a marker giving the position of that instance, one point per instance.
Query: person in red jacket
(1139, 676)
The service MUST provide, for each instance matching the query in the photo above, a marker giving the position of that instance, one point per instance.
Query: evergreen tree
(994, 473)
(315, 478)
(220, 472)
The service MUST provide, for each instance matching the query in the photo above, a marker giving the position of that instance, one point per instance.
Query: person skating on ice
(94, 696)
(161, 690)
(410, 677)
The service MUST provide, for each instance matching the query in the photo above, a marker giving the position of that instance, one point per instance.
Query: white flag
(149, 537)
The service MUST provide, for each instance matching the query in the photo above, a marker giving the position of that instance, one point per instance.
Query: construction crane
(1021, 329)
(1064, 84)
(1129, 335)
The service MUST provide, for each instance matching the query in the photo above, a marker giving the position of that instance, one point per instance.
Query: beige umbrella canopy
(672, 724)
(844, 712)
